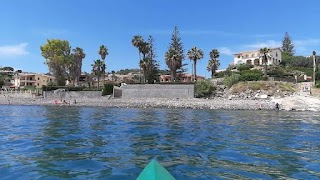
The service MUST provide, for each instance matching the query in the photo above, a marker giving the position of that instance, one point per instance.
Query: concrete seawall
(72, 94)
(157, 91)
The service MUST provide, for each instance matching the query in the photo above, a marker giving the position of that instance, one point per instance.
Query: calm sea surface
(110, 143)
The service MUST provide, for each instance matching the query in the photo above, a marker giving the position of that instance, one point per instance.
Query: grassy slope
(262, 85)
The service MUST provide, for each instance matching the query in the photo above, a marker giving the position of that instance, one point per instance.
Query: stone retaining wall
(18, 94)
(117, 92)
(72, 94)
(157, 91)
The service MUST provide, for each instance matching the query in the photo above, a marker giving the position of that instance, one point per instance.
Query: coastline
(290, 103)
(193, 103)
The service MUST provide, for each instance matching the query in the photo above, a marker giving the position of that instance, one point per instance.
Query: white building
(254, 58)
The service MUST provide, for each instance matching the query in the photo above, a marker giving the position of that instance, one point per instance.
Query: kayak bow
(155, 171)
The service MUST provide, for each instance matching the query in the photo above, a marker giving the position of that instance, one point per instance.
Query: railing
(21, 92)
(26, 80)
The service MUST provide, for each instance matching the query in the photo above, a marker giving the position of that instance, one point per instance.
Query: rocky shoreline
(194, 103)
(297, 103)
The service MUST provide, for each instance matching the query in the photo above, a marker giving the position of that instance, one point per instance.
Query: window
(238, 56)
(38, 84)
(252, 55)
(247, 56)
(276, 54)
(38, 78)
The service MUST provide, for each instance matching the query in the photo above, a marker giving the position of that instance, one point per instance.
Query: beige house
(184, 78)
(254, 58)
(22, 80)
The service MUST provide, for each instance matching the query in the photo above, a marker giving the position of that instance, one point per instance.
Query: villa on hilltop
(253, 57)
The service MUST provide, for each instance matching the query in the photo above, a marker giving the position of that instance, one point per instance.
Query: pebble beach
(289, 103)
(193, 103)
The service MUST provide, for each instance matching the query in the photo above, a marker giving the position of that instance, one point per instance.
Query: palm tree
(137, 42)
(172, 57)
(213, 63)
(103, 51)
(113, 75)
(194, 55)
(144, 48)
(79, 55)
(98, 67)
(265, 54)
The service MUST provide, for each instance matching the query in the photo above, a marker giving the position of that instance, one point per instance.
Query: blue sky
(228, 25)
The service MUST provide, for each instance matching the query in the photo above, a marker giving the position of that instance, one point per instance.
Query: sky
(227, 25)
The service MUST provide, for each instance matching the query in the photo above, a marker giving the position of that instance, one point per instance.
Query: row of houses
(22, 80)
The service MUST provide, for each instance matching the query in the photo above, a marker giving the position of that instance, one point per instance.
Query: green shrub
(204, 88)
(223, 73)
(1, 82)
(251, 75)
(107, 89)
(244, 67)
(231, 80)
(276, 72)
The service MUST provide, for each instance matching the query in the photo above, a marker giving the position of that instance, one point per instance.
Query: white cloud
(269, 43)
(14, 50)
(307, 42)
(306, 46)
(226, 51)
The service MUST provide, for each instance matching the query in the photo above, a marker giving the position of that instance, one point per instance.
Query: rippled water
(111, 143)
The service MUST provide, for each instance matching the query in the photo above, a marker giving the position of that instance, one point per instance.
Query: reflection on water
(104, 143)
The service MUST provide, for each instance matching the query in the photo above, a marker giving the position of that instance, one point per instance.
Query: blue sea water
(38, 142)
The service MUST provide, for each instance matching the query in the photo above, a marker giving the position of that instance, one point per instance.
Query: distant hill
(127, 71)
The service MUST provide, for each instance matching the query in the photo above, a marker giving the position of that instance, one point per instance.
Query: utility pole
(314, 68)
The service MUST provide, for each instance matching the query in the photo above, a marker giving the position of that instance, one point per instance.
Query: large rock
(263, 96)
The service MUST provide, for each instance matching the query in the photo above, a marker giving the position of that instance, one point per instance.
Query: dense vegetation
(147, 63)
(62, 63)
(204, 88)
(291, 66)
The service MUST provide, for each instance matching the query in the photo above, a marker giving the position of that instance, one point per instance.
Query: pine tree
(153, 67)
(287, 45)
(175, 54)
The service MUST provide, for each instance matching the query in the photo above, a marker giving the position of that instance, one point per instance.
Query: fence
(22, 93)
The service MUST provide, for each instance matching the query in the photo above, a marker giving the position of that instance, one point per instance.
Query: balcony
(27, 80)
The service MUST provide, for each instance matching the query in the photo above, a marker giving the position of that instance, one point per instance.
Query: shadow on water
(111, 143)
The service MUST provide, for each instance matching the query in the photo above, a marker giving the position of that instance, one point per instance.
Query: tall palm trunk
(212, 73)
(173, 76)
(195, 70)
(139, 68)
(104, 73)
(173, 70)
(265, 68)
(98, 82)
